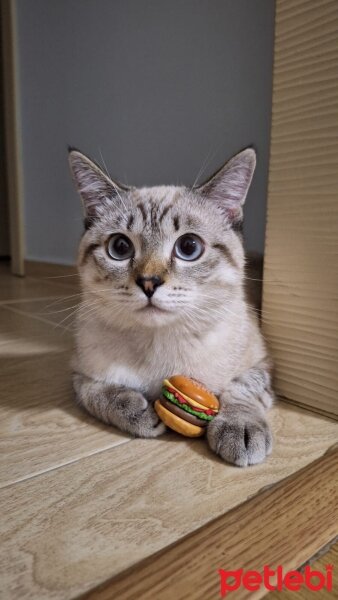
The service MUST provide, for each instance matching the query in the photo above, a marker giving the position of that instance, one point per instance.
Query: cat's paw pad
(239, 439)
(137, 416)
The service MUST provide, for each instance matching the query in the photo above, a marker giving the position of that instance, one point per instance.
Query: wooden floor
(80, 502)
(327, 558)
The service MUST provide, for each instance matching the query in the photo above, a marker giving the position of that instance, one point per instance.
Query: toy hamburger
(186, 406)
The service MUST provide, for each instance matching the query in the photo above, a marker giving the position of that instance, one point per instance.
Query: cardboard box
(300, 289)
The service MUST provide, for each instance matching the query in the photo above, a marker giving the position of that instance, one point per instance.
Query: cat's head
(153, 256)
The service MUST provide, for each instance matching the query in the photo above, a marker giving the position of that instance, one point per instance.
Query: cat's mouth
(151, 308)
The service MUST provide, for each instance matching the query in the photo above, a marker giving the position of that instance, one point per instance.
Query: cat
(162, 276)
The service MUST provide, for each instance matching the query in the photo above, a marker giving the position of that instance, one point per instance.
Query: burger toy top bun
(186, 405)
(195, 390)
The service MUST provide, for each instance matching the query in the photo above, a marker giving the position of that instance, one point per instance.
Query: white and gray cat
(162, 272)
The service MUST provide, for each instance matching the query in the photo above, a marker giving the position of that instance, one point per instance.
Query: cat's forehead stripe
(176, 222)
(226, 252)
(130, 221)
(143, 211)
(164, 212)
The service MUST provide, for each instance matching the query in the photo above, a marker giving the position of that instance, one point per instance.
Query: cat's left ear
(93, 184)
(229, 186)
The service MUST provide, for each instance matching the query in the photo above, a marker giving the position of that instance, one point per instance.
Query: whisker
(203, 166)
(62, 299)
(111, 180)
(119, 195)
(104, 164)
(62, 276)
(211, 154)
(265, 280)
(55, 312)
(66, 319)
(249, 307)
(84, 304)
(114, 185)
(217, 310)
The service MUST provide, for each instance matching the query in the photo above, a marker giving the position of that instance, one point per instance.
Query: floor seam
(23, 300)
(61, 466)
(45, 280)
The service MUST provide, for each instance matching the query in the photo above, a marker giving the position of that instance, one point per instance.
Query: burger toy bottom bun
(186, 406)
(176, 423)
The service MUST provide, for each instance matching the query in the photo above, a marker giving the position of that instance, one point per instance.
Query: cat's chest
(143, 363)
(174, 357)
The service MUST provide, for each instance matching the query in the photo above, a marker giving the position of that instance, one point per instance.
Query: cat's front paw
(239, 437)
(135, 415)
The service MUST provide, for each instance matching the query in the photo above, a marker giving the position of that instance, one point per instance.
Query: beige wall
(300, 312)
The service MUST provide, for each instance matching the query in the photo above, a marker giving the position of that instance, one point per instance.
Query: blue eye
(189, 247)
(120, 247)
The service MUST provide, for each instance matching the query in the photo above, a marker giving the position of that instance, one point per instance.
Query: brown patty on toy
(186, 405)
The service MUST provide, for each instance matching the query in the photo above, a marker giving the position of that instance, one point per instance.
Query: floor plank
(65, 274)
(22, 336)
(40, 426)
(283, 525)
(23, 288)
(327, 558)
(70, 529)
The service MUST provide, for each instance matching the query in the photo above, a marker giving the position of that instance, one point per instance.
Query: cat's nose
(149, 284)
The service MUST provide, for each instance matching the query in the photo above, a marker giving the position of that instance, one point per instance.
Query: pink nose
(149, 284)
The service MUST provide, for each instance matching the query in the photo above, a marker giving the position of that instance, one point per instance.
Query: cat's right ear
(92, 183)
(229, 186)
